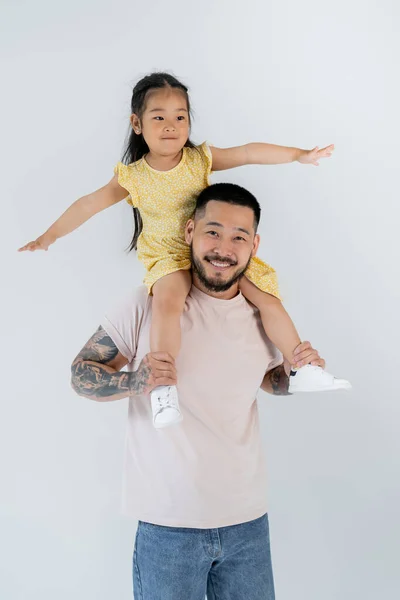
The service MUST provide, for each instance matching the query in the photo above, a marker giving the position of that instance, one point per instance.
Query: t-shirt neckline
(196, 293)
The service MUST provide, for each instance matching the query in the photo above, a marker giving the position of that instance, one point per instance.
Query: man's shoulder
(139, 296)
(124, 323)
(133, 306)
(139, 300)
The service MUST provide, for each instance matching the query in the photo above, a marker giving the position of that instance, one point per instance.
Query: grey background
(295, 73)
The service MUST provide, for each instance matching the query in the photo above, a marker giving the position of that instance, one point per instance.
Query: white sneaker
(165, 406)
(311, 378)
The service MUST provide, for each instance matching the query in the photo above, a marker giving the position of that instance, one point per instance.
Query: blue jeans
(229, 563)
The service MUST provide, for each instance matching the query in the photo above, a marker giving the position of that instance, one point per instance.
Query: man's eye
(213, 233)
(240, 239)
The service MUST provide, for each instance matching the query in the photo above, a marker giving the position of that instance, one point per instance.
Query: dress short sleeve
(205, 152)
(126, 180)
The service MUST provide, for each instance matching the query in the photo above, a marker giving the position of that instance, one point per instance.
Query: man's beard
(214, 284)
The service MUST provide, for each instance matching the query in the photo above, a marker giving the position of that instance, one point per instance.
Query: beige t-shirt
(209, 470)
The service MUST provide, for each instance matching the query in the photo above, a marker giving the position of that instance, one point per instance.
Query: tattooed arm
(95, 372)
(276, 381)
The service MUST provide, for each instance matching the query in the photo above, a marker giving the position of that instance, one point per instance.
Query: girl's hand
(42, 243)
(311, 157)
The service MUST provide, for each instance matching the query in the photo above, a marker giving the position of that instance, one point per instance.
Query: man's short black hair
(231, 194)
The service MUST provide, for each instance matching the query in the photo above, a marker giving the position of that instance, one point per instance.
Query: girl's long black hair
(136, 146)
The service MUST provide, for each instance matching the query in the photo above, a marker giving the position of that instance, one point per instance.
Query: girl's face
(165, 121)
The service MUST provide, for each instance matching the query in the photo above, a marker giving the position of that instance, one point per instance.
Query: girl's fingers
(31, 246)
(327, 151)
(26, 247)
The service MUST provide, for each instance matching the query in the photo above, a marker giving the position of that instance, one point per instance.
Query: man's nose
(223, 249)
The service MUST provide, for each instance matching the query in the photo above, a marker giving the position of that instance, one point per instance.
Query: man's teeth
(219, 264)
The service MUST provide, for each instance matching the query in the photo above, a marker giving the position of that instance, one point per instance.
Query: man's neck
(226, 295)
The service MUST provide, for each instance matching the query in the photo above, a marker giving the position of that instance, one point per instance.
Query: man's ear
(256, 243)
(189, 229)
(135, 122)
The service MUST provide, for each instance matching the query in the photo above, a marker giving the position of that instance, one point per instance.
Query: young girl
(163, 172)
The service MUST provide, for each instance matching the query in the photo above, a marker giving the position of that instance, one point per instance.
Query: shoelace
(318, 370)
(165, 402)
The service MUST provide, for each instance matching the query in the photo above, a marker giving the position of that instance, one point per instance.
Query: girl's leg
(169, 295)
(276, 322)
(282, 332)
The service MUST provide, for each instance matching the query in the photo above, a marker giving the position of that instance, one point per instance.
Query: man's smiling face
(223, 240)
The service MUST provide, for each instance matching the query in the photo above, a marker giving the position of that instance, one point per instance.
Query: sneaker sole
(162, 425)
(293, 390)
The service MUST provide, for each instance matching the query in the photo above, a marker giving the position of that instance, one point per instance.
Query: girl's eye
(158, 118)
(181, 118)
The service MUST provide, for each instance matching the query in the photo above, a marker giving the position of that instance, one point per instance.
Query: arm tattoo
(100, 348)
(279, 381)
(92, 377)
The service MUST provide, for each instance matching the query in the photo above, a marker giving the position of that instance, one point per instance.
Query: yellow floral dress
(166, 200)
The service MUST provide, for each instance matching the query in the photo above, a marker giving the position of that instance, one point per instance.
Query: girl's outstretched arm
(79, 212)
(265, 154)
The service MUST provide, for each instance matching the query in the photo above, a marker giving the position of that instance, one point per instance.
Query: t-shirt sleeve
(276, 357)
(275, 362)
(123, 323)
(126, 180)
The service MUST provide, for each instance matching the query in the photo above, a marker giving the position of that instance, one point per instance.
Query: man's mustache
(216, 258)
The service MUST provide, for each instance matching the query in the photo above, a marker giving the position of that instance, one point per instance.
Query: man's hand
(305, 354)
(311, 157)
(156, 368)
(276, 381)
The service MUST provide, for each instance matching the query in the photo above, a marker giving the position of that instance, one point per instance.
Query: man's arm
(276, 382)
(95, 372)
